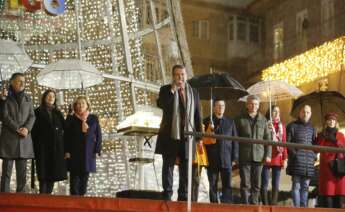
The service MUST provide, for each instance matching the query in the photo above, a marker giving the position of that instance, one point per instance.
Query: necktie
(182, 95)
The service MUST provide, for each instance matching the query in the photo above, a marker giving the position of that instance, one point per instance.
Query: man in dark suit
(181, 111)
(221, 155)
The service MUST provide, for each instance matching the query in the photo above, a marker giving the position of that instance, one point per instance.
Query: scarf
(330, 134)
(189, 120)
(277, 133)
(17, 96)
(83, 118)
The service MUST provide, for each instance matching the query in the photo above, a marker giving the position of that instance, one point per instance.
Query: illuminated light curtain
(314, 64)
(51, 38)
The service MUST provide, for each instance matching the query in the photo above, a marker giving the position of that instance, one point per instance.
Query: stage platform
(39, 203)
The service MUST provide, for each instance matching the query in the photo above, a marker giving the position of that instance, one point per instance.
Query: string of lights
(41, 31)
(314, 64)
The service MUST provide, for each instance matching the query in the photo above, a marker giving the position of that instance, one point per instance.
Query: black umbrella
(217, 85)
(321, 103)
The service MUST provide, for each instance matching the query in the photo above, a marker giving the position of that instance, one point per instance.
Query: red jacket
(279, 154)
(329, 184)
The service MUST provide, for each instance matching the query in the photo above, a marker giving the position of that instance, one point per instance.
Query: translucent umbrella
(13, 58)
(69, 74)
(273, 90)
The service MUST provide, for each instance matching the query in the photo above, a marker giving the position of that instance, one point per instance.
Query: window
(241, 28)
(148, 14)
(245, 29)
(302, 23)
(231, 30)
(278, 41)
(201, 29)
(327, 17)
(254, 30)
(195, 29)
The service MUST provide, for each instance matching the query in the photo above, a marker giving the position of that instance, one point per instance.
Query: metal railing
(316, 148)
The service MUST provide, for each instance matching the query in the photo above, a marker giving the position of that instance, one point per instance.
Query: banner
(52, 7)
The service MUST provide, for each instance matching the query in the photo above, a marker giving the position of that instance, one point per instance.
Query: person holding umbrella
(279, 157)
(301, 162)
(222, 155)
(331, 187)
(83, 143)
(181, 112)
(252, 124)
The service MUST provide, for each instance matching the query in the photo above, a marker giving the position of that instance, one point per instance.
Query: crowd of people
(59, 145)
(256, 162)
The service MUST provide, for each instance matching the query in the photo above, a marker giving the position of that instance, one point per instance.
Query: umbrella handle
(2, 80)
(211, 99)
(1, 73)
(211, 107)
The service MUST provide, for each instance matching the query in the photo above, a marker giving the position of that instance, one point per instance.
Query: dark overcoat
(83, 147)
(301, 161)
(223, 152)
(165, 144)
(47, 136)
(14, 116)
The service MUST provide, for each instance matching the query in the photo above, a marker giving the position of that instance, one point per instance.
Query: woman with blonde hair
(83, 139)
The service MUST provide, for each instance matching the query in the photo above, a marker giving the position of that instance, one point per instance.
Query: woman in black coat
(47, 135)
(83, 139)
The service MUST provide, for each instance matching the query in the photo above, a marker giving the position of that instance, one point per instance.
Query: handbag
(338, 166)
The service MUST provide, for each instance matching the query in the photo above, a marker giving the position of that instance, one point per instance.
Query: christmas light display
(314, 64)
(48, 39)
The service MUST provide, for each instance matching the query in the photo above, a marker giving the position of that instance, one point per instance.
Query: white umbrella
(69, 74)
(13, 58)
(273, 90)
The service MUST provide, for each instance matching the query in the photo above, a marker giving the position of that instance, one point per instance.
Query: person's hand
(285, 164)
(19, 131)
(4, 94)
(234, 163)
(270, 125)
(173, 87)
(23, 132)
(268, 160)
(67, 155)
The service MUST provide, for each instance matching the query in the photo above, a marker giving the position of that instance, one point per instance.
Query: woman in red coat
(331, 188)
(278, 159)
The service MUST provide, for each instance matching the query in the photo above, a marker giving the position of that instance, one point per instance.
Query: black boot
(275, 194)
(264, 197)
